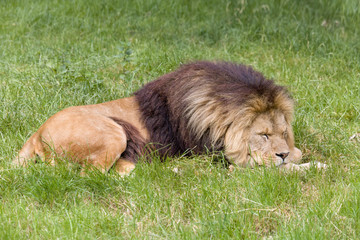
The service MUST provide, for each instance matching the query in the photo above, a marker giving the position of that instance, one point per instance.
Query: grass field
(55, 54)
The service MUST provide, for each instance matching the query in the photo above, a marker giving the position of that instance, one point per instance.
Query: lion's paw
(304, 166)
(319, 165)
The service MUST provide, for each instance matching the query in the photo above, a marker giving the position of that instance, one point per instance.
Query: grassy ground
(55, 54)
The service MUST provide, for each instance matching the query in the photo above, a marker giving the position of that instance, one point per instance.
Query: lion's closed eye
(285, 134)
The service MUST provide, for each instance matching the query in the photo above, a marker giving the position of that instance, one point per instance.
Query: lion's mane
(208, 106)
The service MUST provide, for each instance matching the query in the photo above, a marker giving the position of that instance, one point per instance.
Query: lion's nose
(283, 155)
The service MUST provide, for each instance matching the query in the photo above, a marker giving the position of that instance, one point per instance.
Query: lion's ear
(236, 146)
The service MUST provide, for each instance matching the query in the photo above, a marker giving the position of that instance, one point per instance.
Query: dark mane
(168, 105)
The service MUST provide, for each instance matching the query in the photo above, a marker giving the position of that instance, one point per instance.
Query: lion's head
(268, 141)
(220, 106)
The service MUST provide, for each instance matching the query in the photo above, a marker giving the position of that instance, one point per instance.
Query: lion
(202, 106)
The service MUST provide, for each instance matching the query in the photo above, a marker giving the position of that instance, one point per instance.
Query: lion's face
(270, 141)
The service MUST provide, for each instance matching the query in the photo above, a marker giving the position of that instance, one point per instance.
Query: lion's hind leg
(88, 139)
(96, 144)
(104, 158)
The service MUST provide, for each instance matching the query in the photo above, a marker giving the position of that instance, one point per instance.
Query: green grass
(55, 54)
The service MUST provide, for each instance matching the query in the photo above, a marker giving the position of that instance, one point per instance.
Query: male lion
(201, 106)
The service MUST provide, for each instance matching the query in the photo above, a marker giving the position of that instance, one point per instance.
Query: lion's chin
(278, 163)
(264, 161)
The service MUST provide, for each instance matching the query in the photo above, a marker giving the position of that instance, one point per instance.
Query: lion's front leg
(304, 166)
(124, 167)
